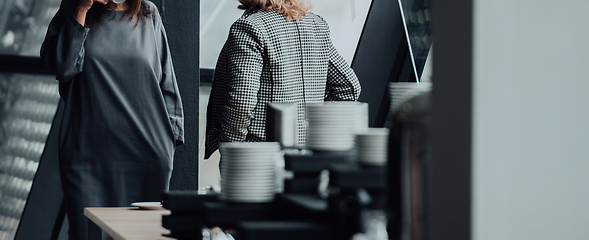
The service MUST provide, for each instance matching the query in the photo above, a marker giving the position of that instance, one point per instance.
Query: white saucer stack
(371, 146)
(331, 126)
(248, 171)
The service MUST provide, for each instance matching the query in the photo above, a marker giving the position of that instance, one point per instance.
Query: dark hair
(137, 10)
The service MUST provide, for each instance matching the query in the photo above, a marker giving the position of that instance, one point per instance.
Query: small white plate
(148, 205)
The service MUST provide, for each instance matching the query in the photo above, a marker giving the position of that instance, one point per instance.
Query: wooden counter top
(126, 223)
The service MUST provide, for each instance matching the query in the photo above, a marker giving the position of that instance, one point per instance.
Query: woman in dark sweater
(123, 114)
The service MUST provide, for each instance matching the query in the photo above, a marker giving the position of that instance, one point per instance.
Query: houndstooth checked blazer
(267, 59)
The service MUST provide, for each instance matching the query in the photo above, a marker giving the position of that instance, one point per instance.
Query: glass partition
(416, 18)
(28, 104)
(23, 24)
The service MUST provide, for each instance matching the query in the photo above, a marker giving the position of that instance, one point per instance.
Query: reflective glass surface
(416, 16)
(28, 104)
(23, 24)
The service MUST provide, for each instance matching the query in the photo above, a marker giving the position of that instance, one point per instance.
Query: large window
(28, 104)
(23, 24)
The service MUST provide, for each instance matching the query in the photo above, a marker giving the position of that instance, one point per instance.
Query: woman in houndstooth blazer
(276, 52)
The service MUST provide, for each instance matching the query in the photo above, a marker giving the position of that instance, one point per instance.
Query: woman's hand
(83, 7)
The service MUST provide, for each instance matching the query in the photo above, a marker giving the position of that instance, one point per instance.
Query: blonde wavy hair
(291, 9)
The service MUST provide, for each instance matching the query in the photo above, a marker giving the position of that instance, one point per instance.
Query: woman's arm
(244, 65)
(169, 85)
(342, 83)
(63, 48)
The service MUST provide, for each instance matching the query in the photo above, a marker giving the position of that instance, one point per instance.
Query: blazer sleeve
(168, 83)
(342, 83)
(244, 63)
(63, 50)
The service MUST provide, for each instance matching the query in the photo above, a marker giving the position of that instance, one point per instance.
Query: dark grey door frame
(451, 204)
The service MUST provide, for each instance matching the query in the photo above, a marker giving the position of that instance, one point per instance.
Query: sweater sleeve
(168, 82)
(244, 49)
(63, 48)
(342, 83)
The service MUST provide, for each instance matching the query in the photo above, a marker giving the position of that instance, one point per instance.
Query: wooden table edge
(91, 216)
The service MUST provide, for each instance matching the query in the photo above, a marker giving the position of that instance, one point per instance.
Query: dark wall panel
(450, 215)
(181, 20)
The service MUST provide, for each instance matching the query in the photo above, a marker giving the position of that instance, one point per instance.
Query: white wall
(531, 120)
(345, 18)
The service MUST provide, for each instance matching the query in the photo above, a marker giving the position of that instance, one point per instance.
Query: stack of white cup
(331, 126)
(372, 146)
(248, 171)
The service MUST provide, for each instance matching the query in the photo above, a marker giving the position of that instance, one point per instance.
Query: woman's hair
(137, 10)
(291, 9)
